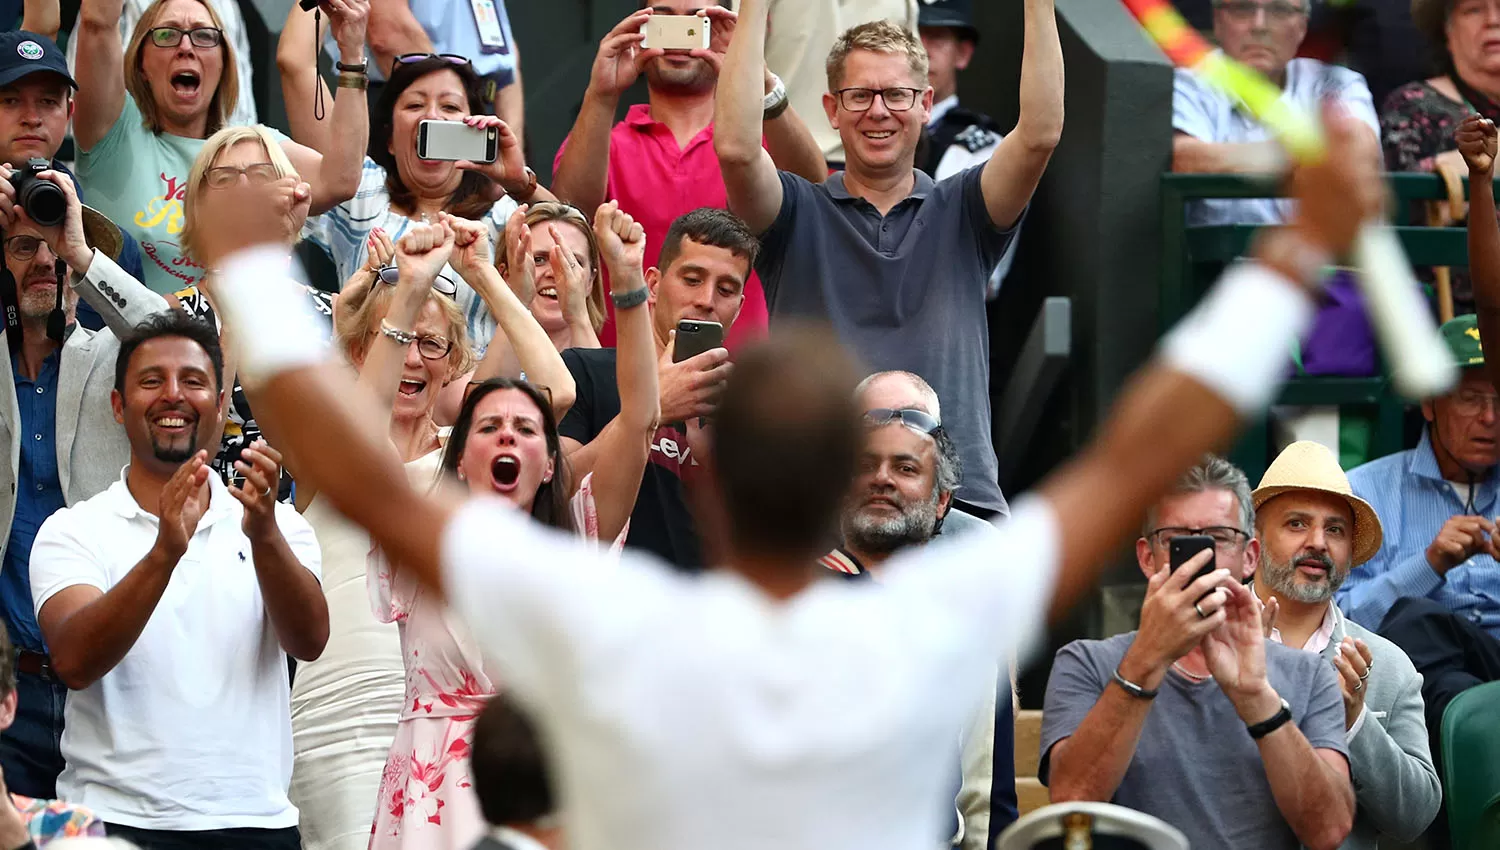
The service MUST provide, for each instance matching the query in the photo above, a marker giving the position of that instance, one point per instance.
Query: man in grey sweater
(1313, 530)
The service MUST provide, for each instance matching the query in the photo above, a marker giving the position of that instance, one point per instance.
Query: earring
(461, 475)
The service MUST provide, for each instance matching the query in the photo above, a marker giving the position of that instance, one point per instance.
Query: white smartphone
(676, 32)
(455, 140)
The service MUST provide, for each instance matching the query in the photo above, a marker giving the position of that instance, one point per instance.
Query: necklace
(1191, 676)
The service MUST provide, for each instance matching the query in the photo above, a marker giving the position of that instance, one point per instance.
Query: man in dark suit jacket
(510, 779)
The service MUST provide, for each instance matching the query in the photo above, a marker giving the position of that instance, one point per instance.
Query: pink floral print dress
(426, 799)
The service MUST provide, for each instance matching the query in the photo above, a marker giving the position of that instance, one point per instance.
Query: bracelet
(525, 193)
(1133, 689)
(403, 337)
(350, 80)
(634, 298)
(1277, 720)
(359, 68)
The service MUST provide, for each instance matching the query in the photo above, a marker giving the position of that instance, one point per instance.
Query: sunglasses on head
(443, 284)
(918, 420)
(413, 58)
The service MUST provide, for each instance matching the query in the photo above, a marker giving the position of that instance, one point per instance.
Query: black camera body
(42, 200)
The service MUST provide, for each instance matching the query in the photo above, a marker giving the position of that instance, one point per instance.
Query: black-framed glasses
(414, 58)
(1225, 537)
(895, 99)
(443, 284)
(918, 420)
(22, 247)
(1277, 10)
(256, 173)
(199, 36)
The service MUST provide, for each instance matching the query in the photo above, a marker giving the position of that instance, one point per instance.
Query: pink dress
(426, 799)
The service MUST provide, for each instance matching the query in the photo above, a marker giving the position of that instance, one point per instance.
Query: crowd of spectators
(710, 583)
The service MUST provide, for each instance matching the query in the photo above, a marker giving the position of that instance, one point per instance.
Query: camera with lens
(42, 200)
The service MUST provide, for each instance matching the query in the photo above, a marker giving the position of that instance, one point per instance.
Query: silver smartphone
(676, 32)
(455, 140)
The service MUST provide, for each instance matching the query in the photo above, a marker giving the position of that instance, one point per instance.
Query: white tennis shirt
(688, 713)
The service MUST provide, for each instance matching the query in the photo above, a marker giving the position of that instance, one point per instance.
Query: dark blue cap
(24, 53)
(958, 14)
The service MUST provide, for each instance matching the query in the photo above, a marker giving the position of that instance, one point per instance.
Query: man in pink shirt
(659, 163)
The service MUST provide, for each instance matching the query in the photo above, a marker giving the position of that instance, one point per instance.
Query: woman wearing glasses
(145, 109)
(397, 188)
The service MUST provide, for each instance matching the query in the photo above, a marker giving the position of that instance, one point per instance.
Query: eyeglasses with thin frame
(918, 420)
(22, 247)
(1277, 10)
(442, 285)
(170, 37)
(1226, 538)
(256, 173)
(1475, 402)
(432, 347)
(895, 99)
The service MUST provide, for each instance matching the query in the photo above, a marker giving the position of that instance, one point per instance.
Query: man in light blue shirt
(1213, 134)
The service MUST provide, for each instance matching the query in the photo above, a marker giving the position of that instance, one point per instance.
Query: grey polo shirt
(904, 291)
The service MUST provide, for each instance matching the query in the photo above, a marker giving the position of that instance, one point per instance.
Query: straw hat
(102, 234)
(1305, 465)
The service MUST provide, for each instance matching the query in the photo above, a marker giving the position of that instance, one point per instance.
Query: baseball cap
(23, 53)
(1461, 333)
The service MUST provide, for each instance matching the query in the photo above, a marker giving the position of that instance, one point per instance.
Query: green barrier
(1193, 256)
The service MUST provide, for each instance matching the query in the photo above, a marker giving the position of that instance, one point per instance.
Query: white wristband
(272, 319)
(1238, 341)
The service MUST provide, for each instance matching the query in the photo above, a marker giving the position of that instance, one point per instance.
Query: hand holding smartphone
(695, 337)
(455, 140)
(676, 32)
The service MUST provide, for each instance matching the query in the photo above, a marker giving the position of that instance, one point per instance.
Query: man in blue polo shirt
(897, 263)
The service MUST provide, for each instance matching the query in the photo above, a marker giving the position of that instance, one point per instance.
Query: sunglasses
(443, 285)
(917, 420)
(414, 58)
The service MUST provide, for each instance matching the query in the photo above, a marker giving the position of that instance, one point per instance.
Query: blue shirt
(38, 495)
(1413, 501)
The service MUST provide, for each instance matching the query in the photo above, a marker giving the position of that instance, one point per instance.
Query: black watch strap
(1278, 720)
(633, 298)
(1133, 689)
(361, 68)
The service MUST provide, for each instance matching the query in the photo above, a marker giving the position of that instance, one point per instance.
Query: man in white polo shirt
(169, 602)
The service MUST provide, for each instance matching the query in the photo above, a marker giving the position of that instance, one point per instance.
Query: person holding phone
(1156, 719)
(697, 290)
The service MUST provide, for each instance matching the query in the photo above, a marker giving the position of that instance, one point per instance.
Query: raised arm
(100, 71)
(1016, 166)
(791, 144)
(1476, 141)
(420, 255)
(510, 102)
(750, 178)
(43, 17)
(301, 84)
(331, 159)
(394, 30)
(626, 440)
(581, 174)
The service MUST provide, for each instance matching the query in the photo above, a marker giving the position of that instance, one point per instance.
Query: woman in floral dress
(504, 443)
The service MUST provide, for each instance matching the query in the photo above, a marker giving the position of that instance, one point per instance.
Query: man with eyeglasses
(55, 379)
(1212, 134)
(901, 498)
(1162, 719)
(1313, 531)
(897, 263)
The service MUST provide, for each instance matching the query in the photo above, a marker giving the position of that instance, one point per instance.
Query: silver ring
(1359, 686)
(267, 492)
(1200, 611)
(1366, 675)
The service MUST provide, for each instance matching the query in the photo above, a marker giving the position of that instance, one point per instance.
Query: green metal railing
(1193, 256)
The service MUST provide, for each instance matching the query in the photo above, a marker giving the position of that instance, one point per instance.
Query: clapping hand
(1476, 142)
(183, 501)
(520, 265)
(1354, 663)
(261, 467)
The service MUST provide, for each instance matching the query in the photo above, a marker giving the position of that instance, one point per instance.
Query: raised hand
(1338, 194)
(471, 246)
(622, 240)
(721, 23)
(245, 215)
(1236, 655)
(572, 280)
(261, 467)
(520, 264)
(1268, 614)
(619, 61)
(183, 501)
(65, 239)
(379, 249)
(509, 166)
(1179, 610)
(10, 211)
(423, 252)
(1476, 142)
(347, 21)
(1354, 663)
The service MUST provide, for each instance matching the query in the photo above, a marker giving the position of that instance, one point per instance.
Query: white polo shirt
(192, 730)
(690, 713)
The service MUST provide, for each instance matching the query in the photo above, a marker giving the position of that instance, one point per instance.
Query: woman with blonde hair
(144, 111)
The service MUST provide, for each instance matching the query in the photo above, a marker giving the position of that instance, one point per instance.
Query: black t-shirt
(660, 522)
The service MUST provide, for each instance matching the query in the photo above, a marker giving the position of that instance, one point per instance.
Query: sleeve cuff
(1359, 723)
(1415, 578)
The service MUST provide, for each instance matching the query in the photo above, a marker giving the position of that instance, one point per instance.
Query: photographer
(75, 448)
(36, 102)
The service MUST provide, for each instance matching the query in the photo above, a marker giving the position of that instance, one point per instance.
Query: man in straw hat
(64, 444)
(1156, 719)
(1313, 530)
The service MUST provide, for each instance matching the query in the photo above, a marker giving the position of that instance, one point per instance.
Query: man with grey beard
(1313, 530)
(902, 497)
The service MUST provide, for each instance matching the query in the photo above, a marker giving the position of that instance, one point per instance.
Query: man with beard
(64, 443)
(659, 163)
(1150, 720)
(170, 602)
(1213, 134)
(1313, 530)
(901, 498)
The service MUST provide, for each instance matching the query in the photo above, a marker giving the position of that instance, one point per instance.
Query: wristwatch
(352, 68)
(634, 298)
(776, 102)
(1278, 720)
(524, 194)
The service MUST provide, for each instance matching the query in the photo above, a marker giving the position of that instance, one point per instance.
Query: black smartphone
(307, 5)
(1182, 549)
(695, 337)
